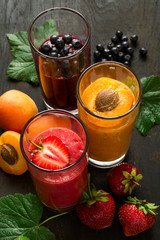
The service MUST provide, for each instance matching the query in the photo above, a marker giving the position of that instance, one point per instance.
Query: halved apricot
(126, 101)
(11, 158)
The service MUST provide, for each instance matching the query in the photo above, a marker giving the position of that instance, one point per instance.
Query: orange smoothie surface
(126, 97)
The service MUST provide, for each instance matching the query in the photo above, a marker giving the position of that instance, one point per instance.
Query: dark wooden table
(141, 17)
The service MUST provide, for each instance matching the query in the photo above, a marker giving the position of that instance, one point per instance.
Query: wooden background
(141, 17)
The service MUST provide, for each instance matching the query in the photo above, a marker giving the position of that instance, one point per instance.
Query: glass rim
(54, 9)
(59, 111)
(102, 117)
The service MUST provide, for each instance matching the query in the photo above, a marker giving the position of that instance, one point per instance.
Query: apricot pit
(11, 158)
(106, 100)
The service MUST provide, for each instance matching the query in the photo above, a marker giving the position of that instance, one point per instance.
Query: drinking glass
(60, 190)
(109, 137)
(58, 75)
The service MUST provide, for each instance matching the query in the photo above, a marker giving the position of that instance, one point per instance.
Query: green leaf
(126, 174)
(20, 216)
(22, 238)
(22, 67)
(44, 32)
(138, 177)
(149, 110)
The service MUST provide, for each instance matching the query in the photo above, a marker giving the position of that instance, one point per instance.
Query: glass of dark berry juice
(55, 144)
(60, 43)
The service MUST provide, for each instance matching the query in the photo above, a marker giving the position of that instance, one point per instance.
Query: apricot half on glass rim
(11, 158)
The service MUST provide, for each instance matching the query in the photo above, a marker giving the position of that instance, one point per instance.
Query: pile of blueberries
(119, 49)
(60, 46)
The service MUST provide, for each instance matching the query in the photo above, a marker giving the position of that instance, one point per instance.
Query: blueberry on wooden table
(143, 51)
(134, 38)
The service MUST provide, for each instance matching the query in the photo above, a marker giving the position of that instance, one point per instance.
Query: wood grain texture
(141, 17)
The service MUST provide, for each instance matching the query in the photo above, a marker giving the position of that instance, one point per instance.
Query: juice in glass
(59, 188)
(108, 100)
(60, 57)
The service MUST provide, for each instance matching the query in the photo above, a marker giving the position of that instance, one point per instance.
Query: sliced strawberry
(51, 153)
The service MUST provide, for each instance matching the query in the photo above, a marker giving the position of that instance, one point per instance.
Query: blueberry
(127, 57)
(106, 52)
(76, 43)
(54, 54)
(125, 44)
(53, 39)
(59, 43)
(134, 38)
(67, 38)
(121, 55)
(130, 50)
(110, 45)
(114, 50)
(103, 60)
(54, 49)
(110, 57)
(127, 63)
(119, 47)
(143, 51)
(119, 33)
(114, 39)
(97, 55)
(124, 38)
(45, 48)
(64, 51)
(99, 47)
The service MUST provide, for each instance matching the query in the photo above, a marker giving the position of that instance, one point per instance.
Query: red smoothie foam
(62, 188)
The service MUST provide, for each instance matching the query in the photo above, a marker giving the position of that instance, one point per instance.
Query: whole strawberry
(123, 178)
(136, 216)
(97, 209)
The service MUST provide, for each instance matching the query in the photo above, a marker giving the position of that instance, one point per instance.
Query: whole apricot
(11, 158)
(16, 108)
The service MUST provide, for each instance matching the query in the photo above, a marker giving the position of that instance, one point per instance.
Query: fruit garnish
(50, 153)
(97, 208)
(60, 45)
(122, 179)
(106, 100)
(136, 216)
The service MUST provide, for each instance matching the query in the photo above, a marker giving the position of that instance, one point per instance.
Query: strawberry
(123, 178)
(136, 216)
(50, 153)
(97, 208)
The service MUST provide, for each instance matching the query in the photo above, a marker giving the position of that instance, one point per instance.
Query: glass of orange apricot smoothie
(54, 144)
(108, 95)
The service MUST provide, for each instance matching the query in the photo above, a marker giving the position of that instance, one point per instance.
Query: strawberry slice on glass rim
(50, 153)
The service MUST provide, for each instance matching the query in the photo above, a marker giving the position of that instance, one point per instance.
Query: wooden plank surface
(141, 17)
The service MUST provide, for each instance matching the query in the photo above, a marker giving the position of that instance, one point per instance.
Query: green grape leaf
(149, 110)
(20, 215)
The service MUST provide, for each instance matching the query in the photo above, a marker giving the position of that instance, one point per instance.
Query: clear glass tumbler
(110, 130)
(59, 190)
(58, 75)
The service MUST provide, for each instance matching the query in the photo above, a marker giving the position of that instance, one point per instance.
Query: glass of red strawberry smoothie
(54, 144)
(60, 43)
